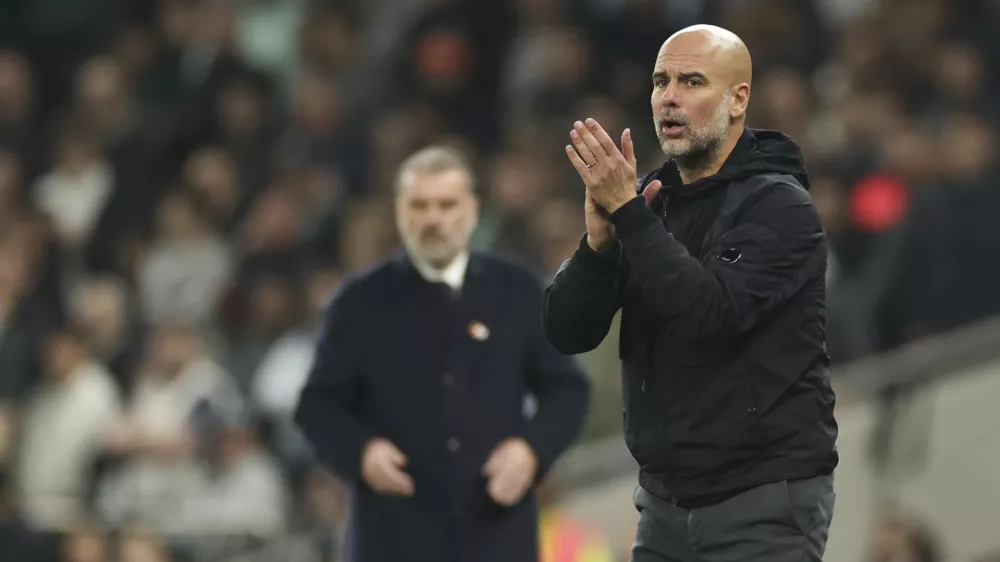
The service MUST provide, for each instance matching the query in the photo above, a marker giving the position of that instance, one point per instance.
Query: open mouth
(672, 127)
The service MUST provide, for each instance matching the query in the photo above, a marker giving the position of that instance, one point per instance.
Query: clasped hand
(608, 173)
(510, 470)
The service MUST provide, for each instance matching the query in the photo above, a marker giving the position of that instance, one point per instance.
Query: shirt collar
(452, 275)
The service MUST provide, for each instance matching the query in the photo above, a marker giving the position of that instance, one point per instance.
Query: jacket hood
(774, 153)
(759, 151)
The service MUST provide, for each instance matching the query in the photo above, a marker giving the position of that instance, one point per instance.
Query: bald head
(701, 89)
(718, 47)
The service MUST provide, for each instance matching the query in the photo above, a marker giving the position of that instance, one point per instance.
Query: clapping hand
(609, 173)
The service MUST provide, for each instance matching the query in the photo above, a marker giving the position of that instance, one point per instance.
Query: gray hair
(435, 159)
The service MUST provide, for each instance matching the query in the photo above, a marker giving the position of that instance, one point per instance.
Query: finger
(399, 482)
(498, 470)
(628, 149)
(493, 463)
(574, 159)
(503, 454)
(494, 491)
(510, 488)
(515, 489)
(500, 489)
(651, 190)
(509, 471)
(580, 144)
(591, 142)
(602, 137)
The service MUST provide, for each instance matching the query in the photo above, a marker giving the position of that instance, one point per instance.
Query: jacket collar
(404, 263)
(674, 188)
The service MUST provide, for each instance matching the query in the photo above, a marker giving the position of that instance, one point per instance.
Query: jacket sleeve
(329, 405)
(582, 299)
(776, 246)
(563, 393)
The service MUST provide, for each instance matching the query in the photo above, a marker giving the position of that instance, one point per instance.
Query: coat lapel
(477, 319)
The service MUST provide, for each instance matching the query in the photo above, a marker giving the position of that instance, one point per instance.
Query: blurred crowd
(183, 182)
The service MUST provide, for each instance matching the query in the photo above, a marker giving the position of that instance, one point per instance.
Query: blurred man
(169, 430)
(66, 423)
(416, 396)
(100, 306)
(718, 265)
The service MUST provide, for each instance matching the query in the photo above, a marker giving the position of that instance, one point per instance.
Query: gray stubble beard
(704, 143)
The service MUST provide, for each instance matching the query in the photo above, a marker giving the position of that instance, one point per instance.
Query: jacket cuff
(593, 260)
(633, 217)
(543, 456)
(347, 461)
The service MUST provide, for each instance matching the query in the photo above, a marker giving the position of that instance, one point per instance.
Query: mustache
(673, 118)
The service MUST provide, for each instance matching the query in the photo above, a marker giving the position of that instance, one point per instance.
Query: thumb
(628, 150)
(649, 193)
(494, 462)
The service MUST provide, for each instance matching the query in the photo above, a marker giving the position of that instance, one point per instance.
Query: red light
(878, 203)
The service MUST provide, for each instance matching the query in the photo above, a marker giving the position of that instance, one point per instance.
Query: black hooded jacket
(721, 284)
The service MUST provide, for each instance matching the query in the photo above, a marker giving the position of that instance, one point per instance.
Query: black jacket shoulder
(373, 281)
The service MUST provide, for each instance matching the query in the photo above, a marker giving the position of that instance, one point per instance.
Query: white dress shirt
(453, 275)
(65, 424)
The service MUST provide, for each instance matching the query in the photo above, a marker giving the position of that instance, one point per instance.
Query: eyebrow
(681, 77)
(689, 75)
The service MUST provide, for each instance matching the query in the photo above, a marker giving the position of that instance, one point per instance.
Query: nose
(669, 96)
(428, 220)
(432, 216)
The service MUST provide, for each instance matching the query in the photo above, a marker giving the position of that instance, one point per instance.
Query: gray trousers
(786, 521)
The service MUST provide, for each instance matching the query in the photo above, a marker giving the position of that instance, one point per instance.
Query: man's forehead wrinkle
(677, 59)
(716, 52)
(672, 64)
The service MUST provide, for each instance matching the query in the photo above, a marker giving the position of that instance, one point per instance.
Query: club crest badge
(478, 331)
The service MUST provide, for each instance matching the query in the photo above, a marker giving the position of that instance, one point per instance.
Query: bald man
(717, 262)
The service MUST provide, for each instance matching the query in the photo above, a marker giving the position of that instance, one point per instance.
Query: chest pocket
(692, 224)
(728, 214)
(700, 233)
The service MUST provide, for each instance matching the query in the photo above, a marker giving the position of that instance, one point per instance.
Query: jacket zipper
(665, 460)
(651, 344)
